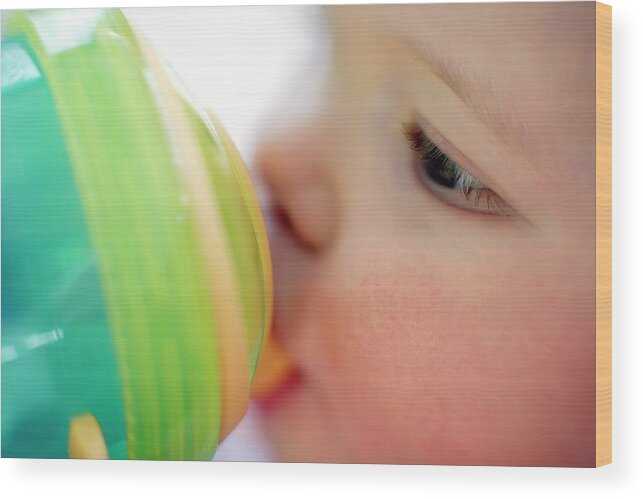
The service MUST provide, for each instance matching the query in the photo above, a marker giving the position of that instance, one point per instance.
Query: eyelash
(442, 170)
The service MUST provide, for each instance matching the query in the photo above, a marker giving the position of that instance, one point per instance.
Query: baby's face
(433, 239)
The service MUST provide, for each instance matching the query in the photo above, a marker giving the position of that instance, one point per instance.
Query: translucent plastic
(136, 278)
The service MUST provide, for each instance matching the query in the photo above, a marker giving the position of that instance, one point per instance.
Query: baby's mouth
(274, 371)
(270, 400)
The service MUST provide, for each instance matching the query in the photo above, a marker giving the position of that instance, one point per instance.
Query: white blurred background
(241, 63)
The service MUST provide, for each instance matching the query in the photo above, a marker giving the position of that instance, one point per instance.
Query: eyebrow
(485, 99)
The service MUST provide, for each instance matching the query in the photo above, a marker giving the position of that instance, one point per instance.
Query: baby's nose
(296, 171)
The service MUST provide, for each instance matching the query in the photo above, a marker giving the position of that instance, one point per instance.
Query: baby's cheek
(419, 365)
(381, 327)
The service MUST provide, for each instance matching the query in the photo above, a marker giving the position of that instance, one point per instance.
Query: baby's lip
(275, 369)
(273, 398)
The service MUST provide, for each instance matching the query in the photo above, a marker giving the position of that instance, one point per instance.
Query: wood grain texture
(603, 234)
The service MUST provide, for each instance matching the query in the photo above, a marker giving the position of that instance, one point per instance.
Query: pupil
(440, 168)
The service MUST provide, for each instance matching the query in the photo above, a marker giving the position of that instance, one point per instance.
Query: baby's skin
(433, 239)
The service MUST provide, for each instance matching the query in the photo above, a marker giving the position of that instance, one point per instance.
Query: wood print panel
(349, 234)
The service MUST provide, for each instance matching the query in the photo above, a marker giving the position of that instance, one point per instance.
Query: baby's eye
(449, 181)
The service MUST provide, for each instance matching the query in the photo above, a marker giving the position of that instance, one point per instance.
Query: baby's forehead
(525, 68)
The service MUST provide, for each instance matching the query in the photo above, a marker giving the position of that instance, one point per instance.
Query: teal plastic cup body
(110, 303)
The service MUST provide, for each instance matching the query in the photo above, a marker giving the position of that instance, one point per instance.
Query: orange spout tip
(273, 369)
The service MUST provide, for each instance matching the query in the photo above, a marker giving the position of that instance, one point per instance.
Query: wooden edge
(603, 234)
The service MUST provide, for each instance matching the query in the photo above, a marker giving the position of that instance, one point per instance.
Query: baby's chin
(301, 426)
(281, 414)
(296, 425)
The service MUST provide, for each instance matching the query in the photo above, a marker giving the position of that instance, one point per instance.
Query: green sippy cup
(136, 277)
